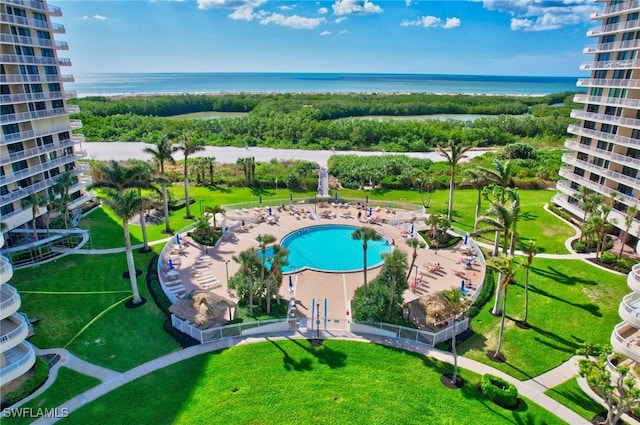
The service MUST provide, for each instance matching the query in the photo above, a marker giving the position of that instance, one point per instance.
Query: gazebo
(204, 309)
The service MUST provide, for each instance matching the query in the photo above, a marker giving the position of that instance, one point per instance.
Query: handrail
(15, 297)
(29, 355)
(22, 327)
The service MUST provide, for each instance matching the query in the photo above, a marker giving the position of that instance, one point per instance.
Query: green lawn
(571, 395)
(289, 382)
(68, 384)
(71, 292)
(570, 302)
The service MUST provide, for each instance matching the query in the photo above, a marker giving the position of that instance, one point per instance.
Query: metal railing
(29, 356)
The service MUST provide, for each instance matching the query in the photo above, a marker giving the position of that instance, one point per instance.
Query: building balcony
(615, 9)
(6, 271)
(76, 203)
(570, 158)
(610, 64)
(629, 309)
(624, 340)
(37, 5)
(32, 170)
(568, 174)
(32, 134)
(38, 150)
(38, 78)
(77, 139)
(73, 109)
(75, 124)
(33, 41)
(31, 97)
(601, 153)
(34, 60)
(32, 23)
(9, 300)
(32, 115)
(608, 101)
(564, 186)
(633, 182)
(19, 360)
(607, 82)
(25, 191)
(605, 137)
(15, 329)
(604, 118)
(611, 28)
(633, 278)
(560, 200)
(611, 47)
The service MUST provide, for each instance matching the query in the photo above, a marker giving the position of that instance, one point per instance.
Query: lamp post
(226, 266)
(276, 189)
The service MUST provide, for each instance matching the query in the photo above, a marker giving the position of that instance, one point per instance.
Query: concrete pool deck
(338, 288)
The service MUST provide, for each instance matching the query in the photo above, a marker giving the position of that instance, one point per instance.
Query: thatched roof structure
(202, 308)
(427, 311)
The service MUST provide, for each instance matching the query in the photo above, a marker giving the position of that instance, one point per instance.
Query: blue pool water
(329, 248)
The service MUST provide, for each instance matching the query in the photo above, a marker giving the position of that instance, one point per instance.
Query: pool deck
(337, 288)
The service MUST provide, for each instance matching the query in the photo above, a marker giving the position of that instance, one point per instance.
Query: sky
(472, 37)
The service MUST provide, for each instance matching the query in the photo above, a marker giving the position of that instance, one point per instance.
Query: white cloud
(344, 32)
(323, 10)
(356, 7)
(100, 17)
(244, 13)
(407, 2)
(285, 7)
(324, 33)
(431, 22)
(451, 23)
(341, 19)
(540, 15)
(293, 21)
(228, 4)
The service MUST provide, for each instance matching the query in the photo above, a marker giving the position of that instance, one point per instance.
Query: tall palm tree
(455, 304)
(414, 243)
(278, 260)
(216, 209)
(453, 155)
(161, 151)
(396, 260)
(34, 201)
(126, 205)
(365, 234)
(590, 201)
(248, 260)
(264, 240)
(61, 189)
(476, 179)
(507, 267)
(628, 221)
(531, 250)
(502, 174)
(514, 195)
(188, 147)
(210, 160)
(499, 217)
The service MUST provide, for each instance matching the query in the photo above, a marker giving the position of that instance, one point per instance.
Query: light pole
(276, 189)
(226, 266)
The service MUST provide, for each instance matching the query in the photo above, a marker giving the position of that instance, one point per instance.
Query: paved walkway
(532, 389)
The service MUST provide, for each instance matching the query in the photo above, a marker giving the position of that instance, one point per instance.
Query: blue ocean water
(164, 83)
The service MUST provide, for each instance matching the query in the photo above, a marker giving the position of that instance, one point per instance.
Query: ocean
(178, 83)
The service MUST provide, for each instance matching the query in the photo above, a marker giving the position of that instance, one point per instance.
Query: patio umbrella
(290, 283)
(413, 228)
(291, 197)
(270, 211)
(335, 197)
(170, 264)
(260, 199)
(178, 238)
(462, 285)
(370, 211)
(366, 200)
(466, 239)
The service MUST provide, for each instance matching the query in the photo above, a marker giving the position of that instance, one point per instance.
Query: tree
(617, 389)
(453, 300)
(425, 183)
(453, 156)
(476, 179)
(209, 161)
(514, 195)
(278, 260)
(249, 169)
(396, 260)
(590, 201)
(628, 221)
(216, 209)
(507, 267)
(188, 147)
(414, 243)
(264, 240)
(161, 152)
(502, 175)
(531, 250)
(61, 189)
(365, 234)
(34, 201)
(248, 260)
(500, 219)
(125, 205)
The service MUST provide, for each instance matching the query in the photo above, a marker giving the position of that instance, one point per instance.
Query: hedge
(483, 296)
(499, 391)
(40, 375)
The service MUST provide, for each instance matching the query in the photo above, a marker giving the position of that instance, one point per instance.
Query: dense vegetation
(326, 121)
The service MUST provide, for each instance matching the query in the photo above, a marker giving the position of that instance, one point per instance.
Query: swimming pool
(330, 248)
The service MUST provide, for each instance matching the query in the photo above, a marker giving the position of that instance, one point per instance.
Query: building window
(590, 125)
(19, 165)
(610, 38)
(585, 141)
(10, 129)
(596, 91)
(632, 16)
(610, 21)
(51, 70)
(48, 53)
(598, 162)
(592, 108)
(628, 171)
(633, 153)
(600, 74)
(582, 156)
(579, 171)
(15, 147)
(622, 188)
(6, 209)
(603, 57)
(594, 177)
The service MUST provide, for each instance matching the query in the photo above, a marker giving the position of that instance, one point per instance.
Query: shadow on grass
(219, 189)
(305, 364)
(257, 191)
(325, 355)
(559, 277)
(579, 398)
(592, 309)
(527, 216)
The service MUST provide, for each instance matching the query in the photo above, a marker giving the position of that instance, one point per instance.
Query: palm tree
(210, 160)
(507, 267)
(414, 243)
(278, 260)
(628, 221)
(248, 260)
(365, 234)
(395, 260)
(454, 302)
(214, 210)
(161, 151)
(453, 156)
(476, 179)
(61, 188)
(590, 201)
(34, 201)
(502, 174)
(531, 250)
(126, 205)
(264, 240)
(188, 147)
(515, 211)
(500, 220)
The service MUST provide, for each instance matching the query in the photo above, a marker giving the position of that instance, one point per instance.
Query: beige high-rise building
(36, 143)
(604, 154)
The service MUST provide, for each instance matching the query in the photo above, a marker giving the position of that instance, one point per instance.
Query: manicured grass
(571, 395)
(290, 382)
(570, 302)
(68, 384)
(70, 292)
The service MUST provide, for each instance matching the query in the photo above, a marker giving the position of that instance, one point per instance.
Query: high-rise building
(36, 143)
(604, 154)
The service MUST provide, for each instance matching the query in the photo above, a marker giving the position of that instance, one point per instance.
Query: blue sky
(485, 37)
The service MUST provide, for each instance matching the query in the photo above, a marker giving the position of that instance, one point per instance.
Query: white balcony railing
(9, 300)
(605, 118)
(6, 271)
(35, 78)
(620, 26)
(31, 97)
(19, 361)
(613, 9)
(38, 150)
(568, 174)
(32, 115)
(629, 309)
(32, 134)
(612, 156)
(17, 334)
(607, 82)
(609, 47)
(605, 100)
(32, 170)
(610, 64)
(624, 340)
(605, 137)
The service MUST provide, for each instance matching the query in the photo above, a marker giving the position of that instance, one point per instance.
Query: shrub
(499, 391)
(483, 296)
(579, 247)
(608, 258)
(559, 212)
(624, 264)
(41, 372)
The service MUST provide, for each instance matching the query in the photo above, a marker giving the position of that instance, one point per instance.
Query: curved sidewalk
(531, 389)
